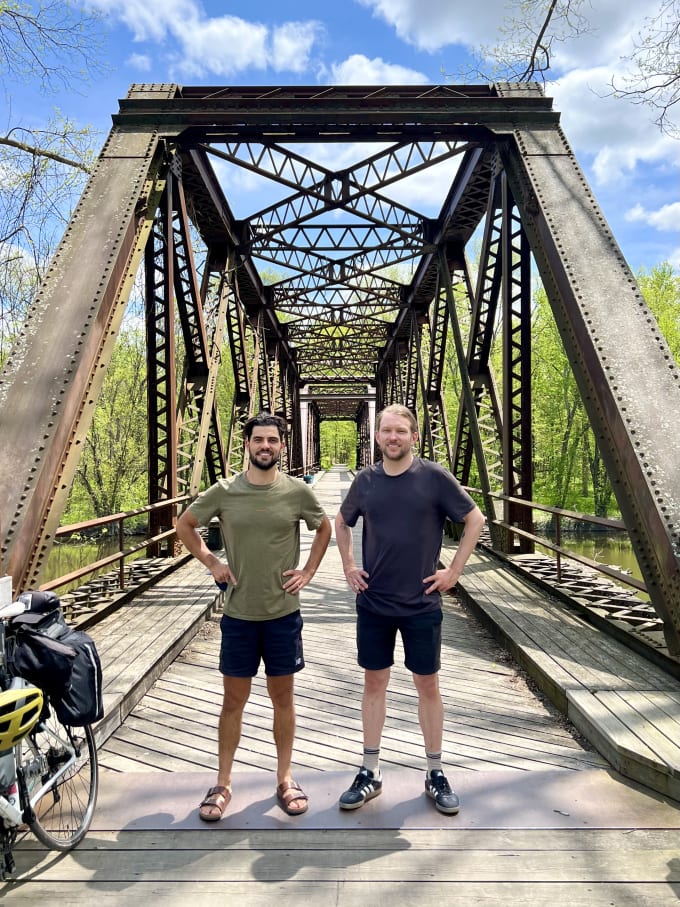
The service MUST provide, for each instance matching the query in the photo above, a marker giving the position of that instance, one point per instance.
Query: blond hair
(396, 409)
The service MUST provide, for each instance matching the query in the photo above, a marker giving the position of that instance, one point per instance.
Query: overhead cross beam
(345, 289)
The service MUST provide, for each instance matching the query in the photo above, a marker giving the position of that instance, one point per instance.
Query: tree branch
(36, 151)
(532, 66)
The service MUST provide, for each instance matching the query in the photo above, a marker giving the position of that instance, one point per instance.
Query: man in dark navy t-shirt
(403, 502)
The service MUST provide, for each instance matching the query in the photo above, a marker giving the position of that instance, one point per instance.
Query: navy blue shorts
(278, 643)
(421, 636)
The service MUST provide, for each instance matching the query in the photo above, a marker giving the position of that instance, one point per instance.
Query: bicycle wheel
(64, 808)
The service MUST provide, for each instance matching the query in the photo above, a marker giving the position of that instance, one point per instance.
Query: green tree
(112, 472)
(338, 442)
(558, 422)
(661, 288)
(37, 196)
(50, 45)
(563, 436)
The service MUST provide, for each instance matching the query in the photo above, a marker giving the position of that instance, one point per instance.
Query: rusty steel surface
(370, 294)
(629, 382)
(50, 383)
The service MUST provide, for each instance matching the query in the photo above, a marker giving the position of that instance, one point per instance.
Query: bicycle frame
(54, 765)
(35, 768)
(12, 816)
(10, 813)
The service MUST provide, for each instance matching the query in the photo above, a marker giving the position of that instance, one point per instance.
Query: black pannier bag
(63, 662)
(81, 701)
(42, 660)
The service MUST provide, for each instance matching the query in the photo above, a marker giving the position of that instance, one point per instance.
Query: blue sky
(631, 167)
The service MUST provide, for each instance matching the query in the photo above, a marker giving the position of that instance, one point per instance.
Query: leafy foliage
(112, 474)
(338, 441)
(532, 29)
(51, 44)
(37, 196)
(569, 471)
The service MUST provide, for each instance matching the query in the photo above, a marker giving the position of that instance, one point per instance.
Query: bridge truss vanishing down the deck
(345, 290)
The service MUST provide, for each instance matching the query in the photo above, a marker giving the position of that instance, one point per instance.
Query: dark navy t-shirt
(403, 520)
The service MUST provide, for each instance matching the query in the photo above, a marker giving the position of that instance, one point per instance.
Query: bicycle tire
(63, 814)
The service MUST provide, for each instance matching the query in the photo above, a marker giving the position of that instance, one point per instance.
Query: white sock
(372, 760)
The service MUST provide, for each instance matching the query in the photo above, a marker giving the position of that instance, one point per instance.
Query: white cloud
(432, 24)
(359, 70)
(614, 131)
(667, 217)
(292, 44)
(219, 45)
(150, 20)
(612, 28)
(143, 62)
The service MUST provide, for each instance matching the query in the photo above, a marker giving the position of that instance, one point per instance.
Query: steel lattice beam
(344, 312)
(161, 360)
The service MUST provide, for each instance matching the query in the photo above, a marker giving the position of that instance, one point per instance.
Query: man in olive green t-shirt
(259, 512)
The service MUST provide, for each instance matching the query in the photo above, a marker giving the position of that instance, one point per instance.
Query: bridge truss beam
(373, 299)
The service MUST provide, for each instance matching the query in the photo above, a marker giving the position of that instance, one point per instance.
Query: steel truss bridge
(373, 297)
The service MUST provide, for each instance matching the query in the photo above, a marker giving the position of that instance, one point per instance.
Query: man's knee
(427, 685)
(281, 691)
(375, 682)
(236, 693)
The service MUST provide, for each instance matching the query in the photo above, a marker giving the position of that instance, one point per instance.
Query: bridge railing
(117, 559)
(559, 516)
(85, 595)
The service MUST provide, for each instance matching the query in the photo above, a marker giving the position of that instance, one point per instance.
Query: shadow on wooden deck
(544, 818)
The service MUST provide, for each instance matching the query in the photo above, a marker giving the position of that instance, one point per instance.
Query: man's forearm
(473, 529)
(319, 545)
(343, 537)
(193, 541)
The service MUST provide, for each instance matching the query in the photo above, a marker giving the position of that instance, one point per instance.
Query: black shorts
(278, 643)
(421, 635)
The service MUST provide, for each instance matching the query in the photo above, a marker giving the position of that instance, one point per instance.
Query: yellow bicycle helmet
(20, 710)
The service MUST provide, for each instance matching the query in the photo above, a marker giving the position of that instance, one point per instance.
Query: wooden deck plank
(481, 840)
(520, 737)
(655, 717)
(485, 722)
(329, 730)
(357, 866)
(494, 722)
(291, 893)
(331, 749)
(139, 641)
(581, 651)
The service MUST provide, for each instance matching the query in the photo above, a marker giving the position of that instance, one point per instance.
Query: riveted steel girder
(51, 381)
(370, 298)
(629, 382)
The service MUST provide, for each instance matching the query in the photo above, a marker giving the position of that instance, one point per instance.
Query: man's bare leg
(373, 706)
(430, 710)
(236, 693)
(281, 692)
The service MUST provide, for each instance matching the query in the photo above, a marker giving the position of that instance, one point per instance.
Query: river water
(67, 557)
(615, 550)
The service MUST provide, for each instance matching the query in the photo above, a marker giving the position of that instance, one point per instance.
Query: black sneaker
(437, 787)
(364, 787)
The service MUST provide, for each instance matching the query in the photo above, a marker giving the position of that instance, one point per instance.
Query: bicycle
(49, 776)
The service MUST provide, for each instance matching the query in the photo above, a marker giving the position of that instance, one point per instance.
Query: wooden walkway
(543, 816)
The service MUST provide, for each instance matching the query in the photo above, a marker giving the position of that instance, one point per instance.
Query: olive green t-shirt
(261, 530)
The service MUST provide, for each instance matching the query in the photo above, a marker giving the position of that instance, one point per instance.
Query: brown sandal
(288, 792)
(217, 798)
